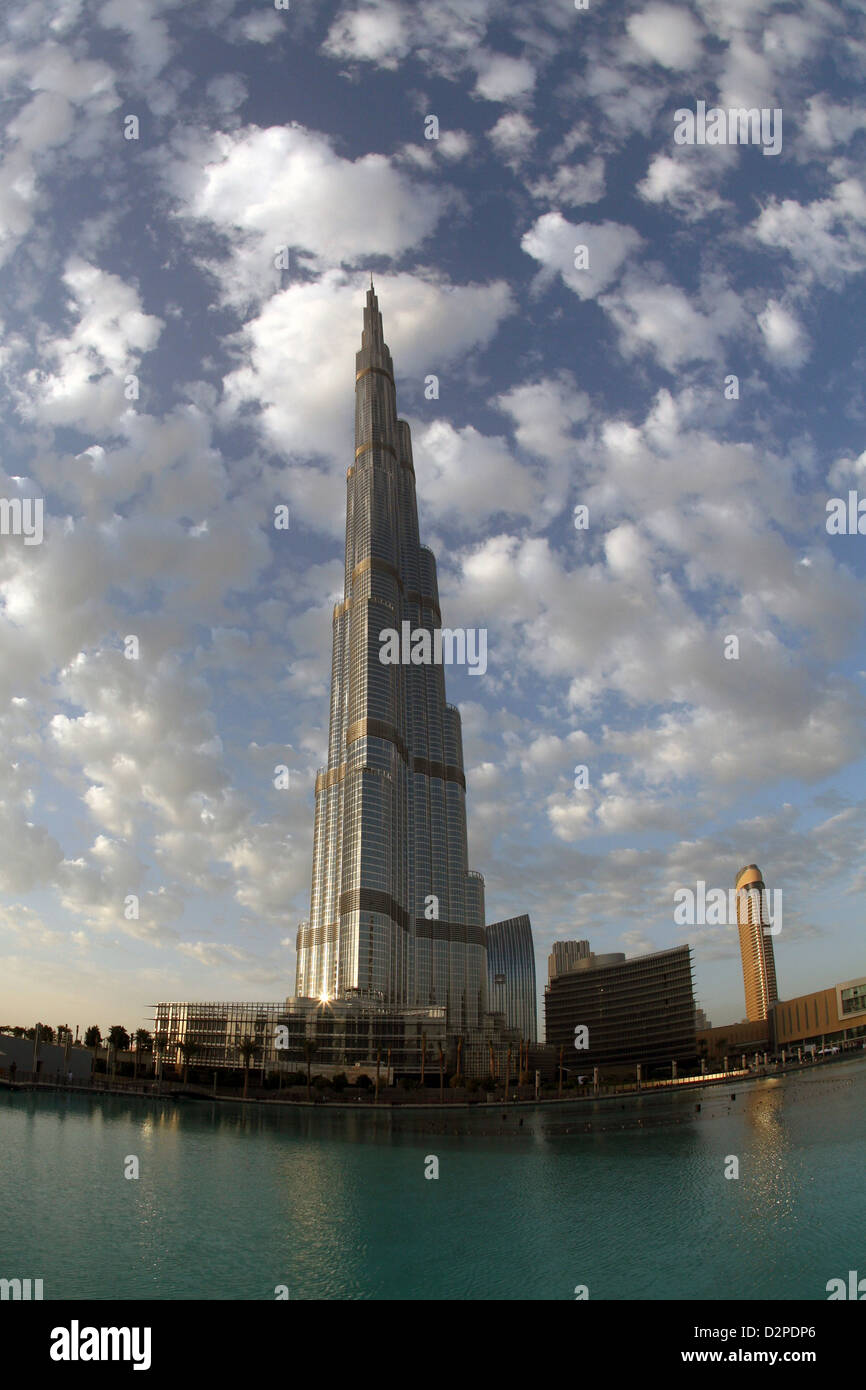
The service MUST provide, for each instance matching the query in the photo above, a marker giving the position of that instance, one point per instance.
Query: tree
(160, 1042)
(143, 1043)
(93, 1037)
(247, 1049)
(118, 1038)
(187, 1050)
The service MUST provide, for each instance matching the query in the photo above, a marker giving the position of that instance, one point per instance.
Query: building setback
(636, 1010)
(511, 975)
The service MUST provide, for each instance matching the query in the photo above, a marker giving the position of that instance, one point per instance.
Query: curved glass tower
(396, 915)
(511, 974)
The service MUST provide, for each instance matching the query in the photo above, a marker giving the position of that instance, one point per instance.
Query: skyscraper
(756, 945)
(396, 915)
(511, 974)
(565, 955)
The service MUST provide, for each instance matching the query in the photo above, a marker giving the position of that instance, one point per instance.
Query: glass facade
(511, 974)
(345, 1034)
(395, 912)
(636, 1010)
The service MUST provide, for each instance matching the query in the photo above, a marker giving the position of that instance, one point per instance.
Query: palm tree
(160, 1042)
(118, 1038)
(423, 1054)
(247, 1048)
(310, 1050)
(492, 1065)
(93, 1040)
(143, 1043)
(187, 1050)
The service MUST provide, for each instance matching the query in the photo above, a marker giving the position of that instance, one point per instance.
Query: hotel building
(756, 945)
(636, 1010)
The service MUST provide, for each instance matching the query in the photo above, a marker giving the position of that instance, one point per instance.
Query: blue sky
(148, 264)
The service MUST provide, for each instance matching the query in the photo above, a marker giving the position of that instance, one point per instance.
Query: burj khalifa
(396, 914)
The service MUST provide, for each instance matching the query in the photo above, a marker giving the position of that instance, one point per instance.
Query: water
(233, 1201)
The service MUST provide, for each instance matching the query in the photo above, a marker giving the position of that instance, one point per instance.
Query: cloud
(573, 185)
(553, 242)
(826, 239)
(686, 181)
(87, 387)
(429, 325)
(660, 318)
(668, 34)
(512, 137)
(286, 186)
(785, 339)
(501, 77)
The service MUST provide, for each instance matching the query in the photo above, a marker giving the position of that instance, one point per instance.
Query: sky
(192, 199)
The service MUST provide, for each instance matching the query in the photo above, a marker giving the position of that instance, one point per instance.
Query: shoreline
(486, 1107)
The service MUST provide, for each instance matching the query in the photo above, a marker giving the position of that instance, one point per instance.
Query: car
(828, 1051)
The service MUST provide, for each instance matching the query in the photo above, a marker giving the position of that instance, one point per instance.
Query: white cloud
(661, 318)
(502, 78)
(552, 241)
(668, 34)
(512, 137)
(826, 238)
(86, 384)
(428, 326)
(573, 185)
(372, 32)
(785, 339)
(286, 186)
(466, 478)
(686, 181)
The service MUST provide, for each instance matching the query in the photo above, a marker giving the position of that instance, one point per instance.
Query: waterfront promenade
(393, 1098)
